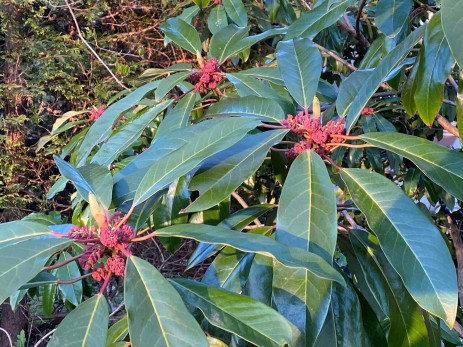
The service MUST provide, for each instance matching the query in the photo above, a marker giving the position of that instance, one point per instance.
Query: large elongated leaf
(306, 219)
(127, 135)
(102, 128)
(168, 83)
(349, 89)
(239, 314)
(71, 292)
(228, 42)
(217, 19)
(392, 15)
(236, 11)
(310, 23)
(86, 326)
(222, 173)
(157, 315)
(300, 63)
(440, 164)
(266, 110)
(451, 20)
(177, 117)
(165, 171)
(182, 34)
(23, 260)
(436, 64)
(384, 68)
(13, 232)
(407, 238)
(289, 256)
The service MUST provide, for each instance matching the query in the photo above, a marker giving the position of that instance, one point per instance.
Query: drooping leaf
(236, 11)
(168, 83)
(384, 68)
(407, 237)
(182, 161)
(222, 173)
(71, 292)
(392, 15)
(239, 314)
(435, 66)
(289, 256)
(451, 19)
(300, 64)
(409, 89)
(306, 219)
(127, 135)
(182, 34)
(310, 23)
(442, 165)
(179, 116)
(157, 315)
(102, 128)
(23, 260)
(266, 110)
(87, 325)
(17, 231)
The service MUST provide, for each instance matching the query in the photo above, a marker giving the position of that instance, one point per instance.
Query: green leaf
(118, 331)
(384, 68)
(48, 298)
(102, 128)
(271, 74)
(168, 83)
(23, 260)
(182, 34)
(239, 314)
(101, 181)
(407, 238)
(222, 173)
(451, 19)
(180, 162)
(409, 89)
(41, 279)
(459, 106)
(127, 135)
(266, 110)
(435, 66)
(157, 315)
(217, 19)
(236, 11)
(227, 42)
(202, 4)
(71, 292)
(306, 219)
(392, 15)
(87, 325)
(300, 64)
(289, 256)
(349, 89)
(440, 164)
(179, 116)
(310, 23)
(17, 231)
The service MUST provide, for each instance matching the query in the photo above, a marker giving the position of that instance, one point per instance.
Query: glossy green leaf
(310, 23)
(442, 165)
(23, 260)
(289, 256)
(71, 292)
(179, 163)
(202, 4)
(239, 314)
(127, 135)
(392, 15)
(378, 49)
(236, 11)
(222, 173)
(182, 34)
(451, 19)
(168, 83)
(306, 219)
(87, 325)
(384, 68)
(228, 42)
(409, 89)
(156, 313)
(271, 74)
(101, 181)
(217, 19)
(266, 110)
(102, 128)
(435, 66)
(48, 299)
(41, 279)
(16, 231)
(300, 64)
(179, 116)
(459, 107)
(349, 89)
(407, 237)
(118, 331)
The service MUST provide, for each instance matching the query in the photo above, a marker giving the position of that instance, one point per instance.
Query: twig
(55, 266)
(245, 205)
(8, 336)
(44, 337)
(336, 57)
(144, 237)
(79, 33)
(458, 328)
(74, 280)
(444, 123)
(118, 308)
(348, 217)
(357, 20)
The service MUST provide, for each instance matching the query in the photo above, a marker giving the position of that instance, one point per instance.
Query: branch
(336, 57)
(90, 47)
(67, 261)
(357, 20)
(444, 123)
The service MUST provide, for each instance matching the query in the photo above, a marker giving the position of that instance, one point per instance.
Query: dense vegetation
(294, 142)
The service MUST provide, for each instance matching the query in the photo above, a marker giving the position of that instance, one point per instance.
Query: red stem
(143, 238)
(74, 280)
(55, 266)
(105, 284)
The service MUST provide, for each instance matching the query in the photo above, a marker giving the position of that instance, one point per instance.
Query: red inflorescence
(208, 77)
(368, 111)
(112, 242)
(312, 135)
(96, 113)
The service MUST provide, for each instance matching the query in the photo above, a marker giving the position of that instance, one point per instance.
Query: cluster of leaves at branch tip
(105, 256)
(312, 135)
(208, 77)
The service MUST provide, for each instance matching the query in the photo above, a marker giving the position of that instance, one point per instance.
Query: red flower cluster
(368, 111)
(208, 77)
(96, 113)
(312, 135)
(112, 243)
